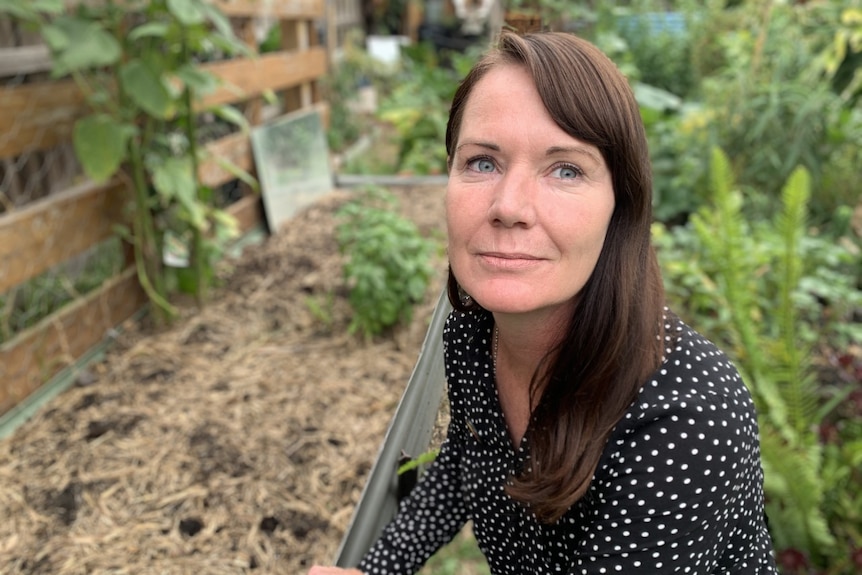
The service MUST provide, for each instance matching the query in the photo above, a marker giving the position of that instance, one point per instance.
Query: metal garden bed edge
(409, 432)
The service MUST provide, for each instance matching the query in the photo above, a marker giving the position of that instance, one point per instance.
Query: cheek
(457, 218)
(581, 236)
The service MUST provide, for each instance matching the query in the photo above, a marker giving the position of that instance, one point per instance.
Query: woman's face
(527, 205)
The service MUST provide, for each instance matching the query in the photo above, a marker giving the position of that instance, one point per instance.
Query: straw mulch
(237, 441)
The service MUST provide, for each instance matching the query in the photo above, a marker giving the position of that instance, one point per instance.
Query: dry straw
(238, 441)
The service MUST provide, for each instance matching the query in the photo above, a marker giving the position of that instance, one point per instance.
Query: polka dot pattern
(678, 488)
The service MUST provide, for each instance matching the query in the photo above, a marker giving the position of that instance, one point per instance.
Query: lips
(509, 261)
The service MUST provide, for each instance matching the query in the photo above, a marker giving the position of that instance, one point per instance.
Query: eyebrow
(488, 145)
(552, 151)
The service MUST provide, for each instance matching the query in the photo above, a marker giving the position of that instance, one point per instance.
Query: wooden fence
(35, 238)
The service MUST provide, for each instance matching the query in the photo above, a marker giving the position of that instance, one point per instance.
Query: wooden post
(254, 106)
(294, 37)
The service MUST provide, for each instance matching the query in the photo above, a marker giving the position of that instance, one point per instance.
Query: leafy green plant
(774, 90)
(749, 282)
(388, 262)
(135, 63)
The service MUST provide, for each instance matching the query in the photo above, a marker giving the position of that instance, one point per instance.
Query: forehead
(504, 99)
(505, 106)
(499, 87)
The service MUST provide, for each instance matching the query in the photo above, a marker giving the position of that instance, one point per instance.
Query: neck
(523, 342)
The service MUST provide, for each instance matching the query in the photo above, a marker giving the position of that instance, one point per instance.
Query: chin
(512, 304)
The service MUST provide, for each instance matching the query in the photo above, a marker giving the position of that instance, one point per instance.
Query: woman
(591, 430)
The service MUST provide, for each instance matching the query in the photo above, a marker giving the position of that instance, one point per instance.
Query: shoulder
(695, 401)
(693, 368)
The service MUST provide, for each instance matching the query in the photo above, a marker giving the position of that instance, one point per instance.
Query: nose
(513, 201)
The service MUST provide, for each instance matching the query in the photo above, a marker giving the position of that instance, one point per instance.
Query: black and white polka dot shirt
(678, 488)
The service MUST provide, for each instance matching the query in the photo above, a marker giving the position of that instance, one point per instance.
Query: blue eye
(567, 172)
(484, 165)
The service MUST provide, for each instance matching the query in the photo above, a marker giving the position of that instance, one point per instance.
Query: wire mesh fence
(32, 166)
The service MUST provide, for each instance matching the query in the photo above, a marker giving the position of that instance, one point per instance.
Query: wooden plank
(40, 116)
(246, 78)
(24, 60)
(37, 354)
(7, 36)
(294, 36)
(281, 9)
(248, 211)
(51, 231)
(254, 108)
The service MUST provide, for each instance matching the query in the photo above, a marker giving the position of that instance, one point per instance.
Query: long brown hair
(615, 334)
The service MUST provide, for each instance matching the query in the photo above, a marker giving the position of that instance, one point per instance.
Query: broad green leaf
(224, 36)
(200, 81)
(188, 12)
(173, 180)
(55, 37)
(100, 143)
(231, 44)
(219, 20)
(78, 44)
(149, 30)
(196, 215)
(146, 89)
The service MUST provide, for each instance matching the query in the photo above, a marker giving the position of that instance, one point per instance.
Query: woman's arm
(427, 519)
